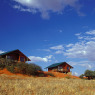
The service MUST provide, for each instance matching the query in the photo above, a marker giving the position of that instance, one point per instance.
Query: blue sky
(50, 31)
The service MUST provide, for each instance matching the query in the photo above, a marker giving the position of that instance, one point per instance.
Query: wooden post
(6, 57)
(6, 60)
(19, 59)
(24, 60)
(27, 58)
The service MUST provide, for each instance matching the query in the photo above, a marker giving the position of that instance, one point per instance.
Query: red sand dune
(62, 75)
(5, 71)
(56, 74)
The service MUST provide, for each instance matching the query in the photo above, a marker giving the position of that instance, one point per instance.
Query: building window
(60, 68)
(22, 59)
(67, 68)
(8, 57)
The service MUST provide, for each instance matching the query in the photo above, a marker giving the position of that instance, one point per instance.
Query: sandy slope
(56, 74)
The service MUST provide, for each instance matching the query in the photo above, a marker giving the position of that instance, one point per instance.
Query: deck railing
(62, 70)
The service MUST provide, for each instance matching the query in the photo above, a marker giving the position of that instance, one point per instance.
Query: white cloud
(37, 59)
(48, 50)
(85, 63)
(40, 59)
(59, 52)
(72, 63)
(82, 50)
(78, 34)
(92, 32)
(80, 37)
(85, 48)
(69, 45)
(24, 9)
(1, 51)
(75, 74)
(88, 66)
(47, 6)
(59, 47)
(49, 57)
(76, 51)
(89, 35)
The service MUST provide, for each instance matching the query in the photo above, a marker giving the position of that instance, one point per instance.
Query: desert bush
(41, 75)
(6, 62)
(68, 77)
(29, 69)
(2, 66)
(21, 68)
(81, 76)
(11, 68)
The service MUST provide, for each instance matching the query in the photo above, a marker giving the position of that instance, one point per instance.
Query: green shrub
(7, 62)
(11, 68)
(21, 68)
(68, 77)
(41, 75)
(81, 76)
(29, 69)
(33, 69)
(2, 66)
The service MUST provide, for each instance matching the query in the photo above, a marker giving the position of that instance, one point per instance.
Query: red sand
(62, 75)
(5, 71)
(56, 74)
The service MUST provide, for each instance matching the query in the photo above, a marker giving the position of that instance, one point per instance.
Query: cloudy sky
(50, 31)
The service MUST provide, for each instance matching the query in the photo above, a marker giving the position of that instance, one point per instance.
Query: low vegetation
(81, 76)
(14, 85)
(41, 85)
(23, 68)
(50, 74)
(89, 74)
(68, 77)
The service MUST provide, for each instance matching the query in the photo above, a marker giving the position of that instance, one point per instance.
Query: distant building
(60, 67)
(15, 55)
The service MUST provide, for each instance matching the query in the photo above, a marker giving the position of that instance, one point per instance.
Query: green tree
(81, 76)
(94, 74)
(89, 74)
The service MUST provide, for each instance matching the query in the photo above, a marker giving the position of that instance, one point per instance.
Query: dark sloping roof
(13, 51)
(57, 64)
(7, 52)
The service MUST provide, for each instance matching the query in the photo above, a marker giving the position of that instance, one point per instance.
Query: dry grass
(18, 85)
